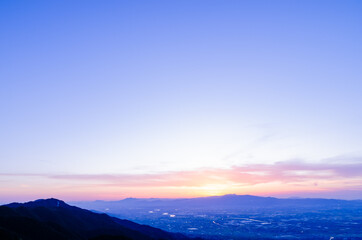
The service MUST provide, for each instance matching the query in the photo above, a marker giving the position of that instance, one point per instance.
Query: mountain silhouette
(53, 219)
(225, 202)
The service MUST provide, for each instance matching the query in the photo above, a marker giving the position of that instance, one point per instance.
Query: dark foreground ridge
(54, 219)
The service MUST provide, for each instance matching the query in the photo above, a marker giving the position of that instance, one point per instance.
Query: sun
(213, 190)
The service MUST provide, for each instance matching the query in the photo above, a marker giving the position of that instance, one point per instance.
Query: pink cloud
(282, 178)
(284, 172)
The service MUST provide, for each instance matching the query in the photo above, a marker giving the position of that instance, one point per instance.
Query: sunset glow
(115, 99)
(285, 179)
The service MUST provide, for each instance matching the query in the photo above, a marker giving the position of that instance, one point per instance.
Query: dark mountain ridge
(56, 220)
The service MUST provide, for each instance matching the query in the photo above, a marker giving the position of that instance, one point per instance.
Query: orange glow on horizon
(282, 179)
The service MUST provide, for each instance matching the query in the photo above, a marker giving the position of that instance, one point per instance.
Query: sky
(114, 99)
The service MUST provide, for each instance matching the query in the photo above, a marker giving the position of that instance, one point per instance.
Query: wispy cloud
(284, 172)
(278, 178)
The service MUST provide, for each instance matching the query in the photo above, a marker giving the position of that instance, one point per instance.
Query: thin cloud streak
(284, 172)
(282, 178)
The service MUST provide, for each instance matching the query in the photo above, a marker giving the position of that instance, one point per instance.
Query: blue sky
(142, 87)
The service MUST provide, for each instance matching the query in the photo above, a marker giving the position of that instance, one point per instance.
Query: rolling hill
(56, 220)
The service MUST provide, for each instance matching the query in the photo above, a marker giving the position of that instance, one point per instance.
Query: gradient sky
(113, 99)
